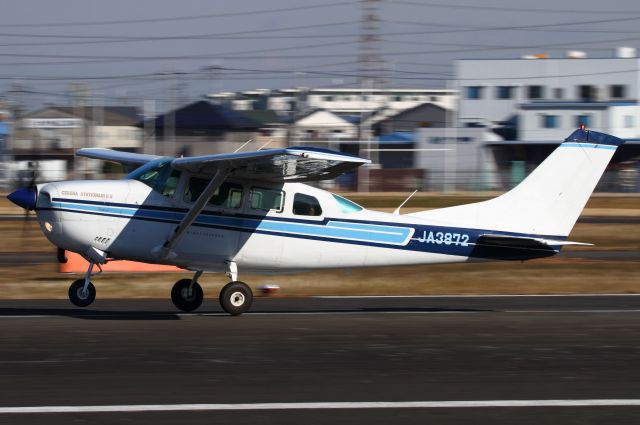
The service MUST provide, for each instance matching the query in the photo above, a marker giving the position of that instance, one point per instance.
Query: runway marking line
(321, 406)
(473, 296)
(328, 313)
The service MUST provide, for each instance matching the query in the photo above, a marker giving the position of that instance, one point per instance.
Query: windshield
(347, 206)
(158, 175)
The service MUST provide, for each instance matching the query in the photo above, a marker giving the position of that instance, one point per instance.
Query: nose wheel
(187, 294)
(236, 298)
(81, 296)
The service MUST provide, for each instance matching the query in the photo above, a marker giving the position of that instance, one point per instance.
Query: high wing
(116, 156)
(294, 164)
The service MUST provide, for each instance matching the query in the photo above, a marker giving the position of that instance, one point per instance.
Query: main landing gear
(235, 298)
(187, 295)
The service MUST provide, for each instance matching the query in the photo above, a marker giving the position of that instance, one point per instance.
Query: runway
(560, 359)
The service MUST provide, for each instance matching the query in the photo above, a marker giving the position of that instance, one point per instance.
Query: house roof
(398, 137)
(203, 115)
(322, 118)
(423, 107)
(263, 116)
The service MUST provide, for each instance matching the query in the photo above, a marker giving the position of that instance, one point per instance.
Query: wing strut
(166, 249)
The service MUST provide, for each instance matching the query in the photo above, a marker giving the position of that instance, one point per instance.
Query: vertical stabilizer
(550, 200)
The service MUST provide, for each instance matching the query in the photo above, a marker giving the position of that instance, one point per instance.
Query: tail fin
(550, 200)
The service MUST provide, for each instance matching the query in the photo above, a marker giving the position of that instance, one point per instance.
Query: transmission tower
(371, 64)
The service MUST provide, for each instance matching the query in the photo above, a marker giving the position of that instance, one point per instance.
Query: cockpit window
(347, 206)
(306, 205)
(158, 175)
(228, 194)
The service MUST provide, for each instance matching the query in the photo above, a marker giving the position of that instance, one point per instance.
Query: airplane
(252, 211)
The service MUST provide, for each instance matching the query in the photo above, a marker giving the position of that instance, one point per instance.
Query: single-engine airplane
(250, 211)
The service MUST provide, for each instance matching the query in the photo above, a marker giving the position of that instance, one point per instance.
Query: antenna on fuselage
(397, 210)
(243, 145)
(265, 145)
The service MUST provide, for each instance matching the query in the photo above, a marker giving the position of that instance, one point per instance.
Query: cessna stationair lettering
(251, 211)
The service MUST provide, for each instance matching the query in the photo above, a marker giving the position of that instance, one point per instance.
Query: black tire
(236, 298)
(78, 296)
(184, 300)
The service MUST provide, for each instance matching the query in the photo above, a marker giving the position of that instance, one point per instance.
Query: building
(342, 101)
(199, 128)
(492, 90)
(47, 139)
(323, 125)
(420, 116)
(535, 103)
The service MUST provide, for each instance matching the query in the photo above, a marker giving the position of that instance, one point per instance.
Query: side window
(266, 199)
(228, 195)
(171, 183)
(194, 189)
(306, 205)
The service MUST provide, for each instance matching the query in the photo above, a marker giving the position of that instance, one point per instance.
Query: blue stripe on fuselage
(444, 240)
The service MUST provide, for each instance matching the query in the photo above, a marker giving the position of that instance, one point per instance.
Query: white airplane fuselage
(126, 219)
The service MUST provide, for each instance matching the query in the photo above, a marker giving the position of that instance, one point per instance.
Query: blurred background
(458, 99)
(443, 97)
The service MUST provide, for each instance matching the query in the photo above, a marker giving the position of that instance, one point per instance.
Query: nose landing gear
(81, 296)
(82, 293)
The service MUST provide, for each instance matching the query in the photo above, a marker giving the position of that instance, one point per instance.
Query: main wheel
(185, 296)
(236, 298)
(78, 296)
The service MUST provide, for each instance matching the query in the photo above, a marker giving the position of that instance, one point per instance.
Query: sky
(123, 50)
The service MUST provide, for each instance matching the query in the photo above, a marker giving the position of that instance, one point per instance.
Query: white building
(541, 121)
(492, 91)
(344, 101)
(356, 100)
(322, 125)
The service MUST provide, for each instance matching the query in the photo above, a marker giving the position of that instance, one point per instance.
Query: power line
(301, 56)
(101, 39)
(286, 74)
(514, 9)
(182, 18)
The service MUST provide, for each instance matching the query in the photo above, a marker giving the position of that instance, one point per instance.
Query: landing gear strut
(187, 294)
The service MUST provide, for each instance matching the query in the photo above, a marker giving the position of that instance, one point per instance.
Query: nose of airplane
(25, 198)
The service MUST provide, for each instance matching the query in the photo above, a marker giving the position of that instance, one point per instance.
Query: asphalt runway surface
(371, 360)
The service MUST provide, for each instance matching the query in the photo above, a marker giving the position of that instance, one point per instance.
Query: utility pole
(370, 64)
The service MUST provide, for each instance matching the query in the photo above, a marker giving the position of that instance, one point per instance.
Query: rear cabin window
(266, 199)
(306, 205)
(228, 195)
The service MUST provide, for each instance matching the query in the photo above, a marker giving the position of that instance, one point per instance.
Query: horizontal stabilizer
(506, 240)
